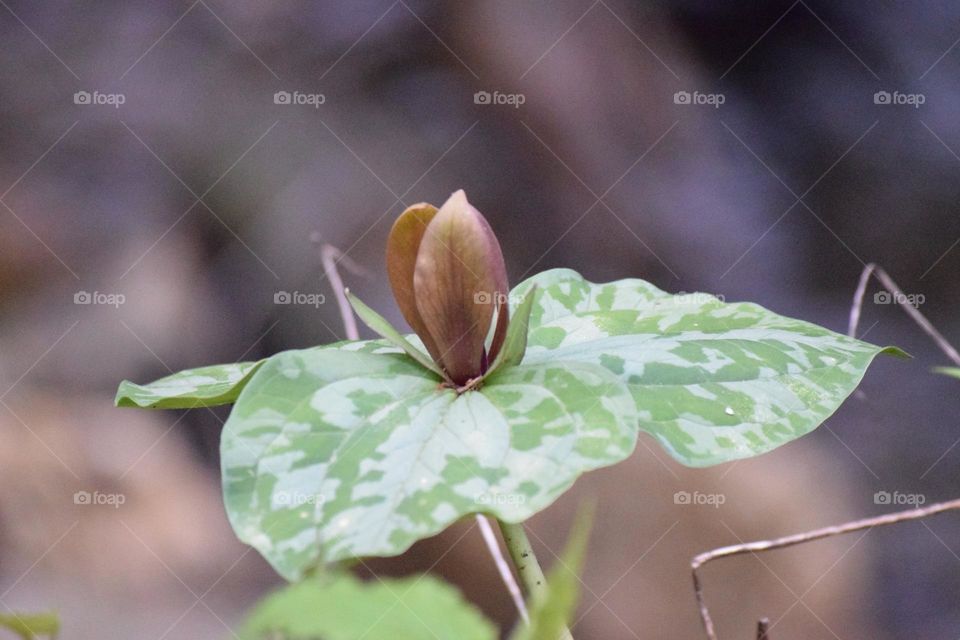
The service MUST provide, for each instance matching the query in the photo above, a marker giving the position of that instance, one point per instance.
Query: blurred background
(168, 168)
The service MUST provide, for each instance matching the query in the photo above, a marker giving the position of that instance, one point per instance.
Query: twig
(900, 298)
(331, 257)
(328, 256)
(799, 538)
(901, 516)
(763, 629)
(506, 574)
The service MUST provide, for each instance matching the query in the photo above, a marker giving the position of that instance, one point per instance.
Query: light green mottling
(331, 454)
(217, 384)
(712, 381)
(354, 449)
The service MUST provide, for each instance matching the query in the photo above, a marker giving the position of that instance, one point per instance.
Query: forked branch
(903, 300)
(800, 538)
(898, 296)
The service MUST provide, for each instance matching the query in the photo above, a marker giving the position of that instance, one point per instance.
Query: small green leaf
(204, 387)
(333, 454)
(341, 607)
(31, 625)
(379, 324)
(515, 344)
(712, 381)
(948, 371)
(551, 612)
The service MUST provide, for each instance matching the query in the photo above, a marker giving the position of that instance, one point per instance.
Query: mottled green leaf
(31, 625)
(948, 371)
(204, 387)
(713, 382)
(380, 325)
(552, 610)
(221, 383)
(334, 454)
(341, 607)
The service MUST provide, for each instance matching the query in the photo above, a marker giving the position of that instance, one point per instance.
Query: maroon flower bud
(448, 276)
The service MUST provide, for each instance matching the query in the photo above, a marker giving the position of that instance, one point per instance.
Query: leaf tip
(122, 398)
(896, 352)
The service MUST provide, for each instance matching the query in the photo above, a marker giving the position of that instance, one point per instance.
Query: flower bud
(448, 276)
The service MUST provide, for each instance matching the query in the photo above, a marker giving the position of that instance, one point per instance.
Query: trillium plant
(495, 405)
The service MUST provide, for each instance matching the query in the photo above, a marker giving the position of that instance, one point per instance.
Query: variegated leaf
(341, 607)
(218, 384)
(204, 387)
(713, 382)
(334, 454)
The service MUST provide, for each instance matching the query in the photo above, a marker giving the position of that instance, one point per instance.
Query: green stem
(525, 560)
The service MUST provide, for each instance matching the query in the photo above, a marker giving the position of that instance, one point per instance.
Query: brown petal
(458, 279)
(402, 246)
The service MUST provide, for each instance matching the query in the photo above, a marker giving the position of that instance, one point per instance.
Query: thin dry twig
(867, 523)
(502, 566)
(799, 538)
(763, 629)
(900, 298)
(331, 257)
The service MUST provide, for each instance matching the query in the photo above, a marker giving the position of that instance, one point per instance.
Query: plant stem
(331, 257)
(525, 560)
